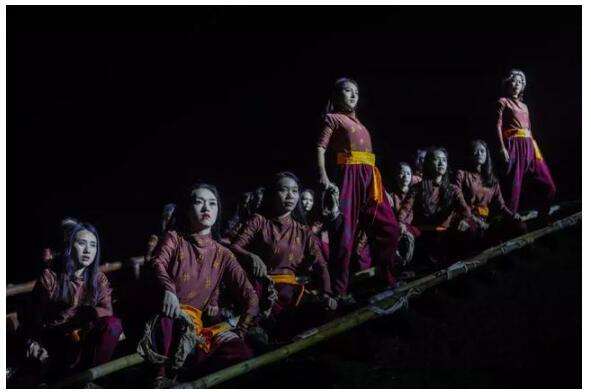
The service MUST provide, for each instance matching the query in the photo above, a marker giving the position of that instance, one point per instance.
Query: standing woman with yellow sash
(363, 201)
(518, 147)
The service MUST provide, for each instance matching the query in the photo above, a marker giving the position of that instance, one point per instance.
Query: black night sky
(111, 110)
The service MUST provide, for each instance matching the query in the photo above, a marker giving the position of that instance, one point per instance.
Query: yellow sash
(481, 211)
(365, 158)
(208, 332)
(509, 133)
(289, 279)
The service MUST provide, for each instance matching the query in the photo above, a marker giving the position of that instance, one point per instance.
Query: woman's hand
(170, 305)
(481, 223)
(259, 269)
(329, 302)
(505, 154)
(212, 310)
(326, 183)
(463, 225)
(36, 351)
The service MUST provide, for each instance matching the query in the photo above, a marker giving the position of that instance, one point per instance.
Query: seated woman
(315, 220)
(165, 221)
(71, 324)
(403, 179)
(59, 241)
(241, 215)
(419, 159)
(274, 245)
(190, 265)
(434, 206)
(490, 219)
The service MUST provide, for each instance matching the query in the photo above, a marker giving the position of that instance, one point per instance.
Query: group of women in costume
(252, 267)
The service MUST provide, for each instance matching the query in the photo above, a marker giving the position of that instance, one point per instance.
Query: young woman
(402, 182)
(241, 215)
(434, 206)
(59, 242)
(275, 244)
(417, 173)
(71, 324)
(518, 147)
(363, 201)
(165, 222)
(190, 265)
(489, 217)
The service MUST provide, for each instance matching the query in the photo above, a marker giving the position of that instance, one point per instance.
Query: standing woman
(71, 324)
(363, 201)
(190, 265)
(518, 147)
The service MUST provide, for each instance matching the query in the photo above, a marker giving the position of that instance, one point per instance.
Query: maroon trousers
(377, 219)
(199, 363)
(524, 167)
(288, 318)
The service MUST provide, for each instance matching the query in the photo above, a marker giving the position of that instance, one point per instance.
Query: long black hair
(332, 105)
(486, 170)
(67, 267)
(426, 186)
(181, 222)
(506, 84)
(242, 211)
(268, 206)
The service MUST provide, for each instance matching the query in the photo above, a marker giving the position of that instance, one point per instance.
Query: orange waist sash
(509, 133)
(209, 332)
(291, 280)
(365, 158)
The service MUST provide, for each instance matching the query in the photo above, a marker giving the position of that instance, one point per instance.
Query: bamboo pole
(385, 303)
(101, 370)
(16, 289)
(115, 365)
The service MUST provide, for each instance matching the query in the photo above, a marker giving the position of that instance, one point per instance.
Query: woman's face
(404, 176)
(288, 195)
(517, 85)
(85, 248)
(204, 211)
(420, 160)
(439, 162)
(479, 154)
(307, 201)
(348, 96)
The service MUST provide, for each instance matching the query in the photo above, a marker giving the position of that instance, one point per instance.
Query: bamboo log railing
(16, 289)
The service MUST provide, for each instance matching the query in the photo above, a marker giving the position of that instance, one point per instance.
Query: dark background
(111, 110)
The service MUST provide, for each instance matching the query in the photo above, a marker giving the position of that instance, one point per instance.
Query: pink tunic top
(343, 132)
(475, 194)
(193, 266)
(284, 245)
(512, 114)
(412, 212)
(49, 312)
